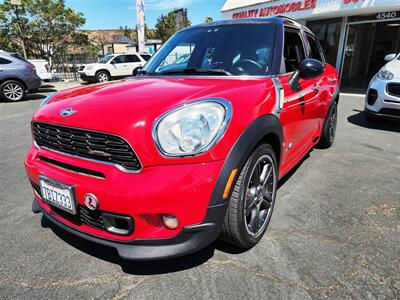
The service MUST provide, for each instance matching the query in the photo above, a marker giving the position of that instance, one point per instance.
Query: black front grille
(390, 112)
(92, 218)
(393, 89)
(86, 144)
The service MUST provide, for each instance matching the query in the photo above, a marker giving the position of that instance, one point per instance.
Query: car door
(116, 65)
(123, 65)
(324, 84)
(132, 62)
(299, 108)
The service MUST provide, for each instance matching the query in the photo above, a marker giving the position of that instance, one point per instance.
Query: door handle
(316, 88)
(333, 79)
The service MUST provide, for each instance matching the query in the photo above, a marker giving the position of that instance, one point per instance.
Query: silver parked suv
(17, 77)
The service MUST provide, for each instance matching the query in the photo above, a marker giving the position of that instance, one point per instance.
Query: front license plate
(58, 194)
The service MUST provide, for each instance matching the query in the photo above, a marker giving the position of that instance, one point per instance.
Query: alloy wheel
(259, 196)
(102, 77)
(13, 91)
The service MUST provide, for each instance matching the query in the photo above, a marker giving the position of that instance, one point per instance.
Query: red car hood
(121, 105)
(129, 108)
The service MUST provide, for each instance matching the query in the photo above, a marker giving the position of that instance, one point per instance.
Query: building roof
(122, 39)
(233, 4)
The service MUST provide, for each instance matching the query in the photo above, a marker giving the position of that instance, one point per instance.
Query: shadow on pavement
(35, 96)
(133, 267)
(380, 124)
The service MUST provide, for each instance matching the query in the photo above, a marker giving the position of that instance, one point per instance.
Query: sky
(111, 14)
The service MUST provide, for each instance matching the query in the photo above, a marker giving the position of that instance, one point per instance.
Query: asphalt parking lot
(335, 232)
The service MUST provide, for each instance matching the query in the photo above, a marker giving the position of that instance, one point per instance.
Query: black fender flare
(242, 149)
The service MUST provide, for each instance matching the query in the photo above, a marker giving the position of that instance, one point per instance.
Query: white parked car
(42, 68)
(383, 94)
(113, 66)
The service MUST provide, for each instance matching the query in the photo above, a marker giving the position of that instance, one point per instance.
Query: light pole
(16, 4)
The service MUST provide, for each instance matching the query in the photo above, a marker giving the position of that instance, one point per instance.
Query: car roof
(280, 20)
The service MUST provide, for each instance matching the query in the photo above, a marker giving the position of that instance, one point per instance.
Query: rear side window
(293, 51)
(314, 47)
(131, 58)
(4, 61)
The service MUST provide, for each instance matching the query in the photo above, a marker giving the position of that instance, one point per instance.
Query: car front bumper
(180, 190)
(379, 102)
(86, 77)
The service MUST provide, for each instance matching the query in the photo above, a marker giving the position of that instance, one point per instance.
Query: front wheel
(102, 76)
(252, 201)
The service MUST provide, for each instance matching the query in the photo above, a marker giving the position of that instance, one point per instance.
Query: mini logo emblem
(67, 112)
(91, 201)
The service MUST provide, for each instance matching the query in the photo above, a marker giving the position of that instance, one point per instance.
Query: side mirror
(137, 71)
(112, 62)
(307, 69)
(390, 57)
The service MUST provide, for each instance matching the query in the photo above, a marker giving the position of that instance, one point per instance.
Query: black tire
(12, 91)
(328, 133)
(237, 229)
(103, 76)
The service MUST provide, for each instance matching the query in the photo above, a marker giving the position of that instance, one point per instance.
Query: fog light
(170, 221)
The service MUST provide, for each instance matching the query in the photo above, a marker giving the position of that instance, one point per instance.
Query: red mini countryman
(161, 164)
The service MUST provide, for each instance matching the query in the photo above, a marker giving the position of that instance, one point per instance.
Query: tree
(166, 25)
(208, 19)
(48, 27)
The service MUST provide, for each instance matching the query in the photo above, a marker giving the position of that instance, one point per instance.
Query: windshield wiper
(198, 71)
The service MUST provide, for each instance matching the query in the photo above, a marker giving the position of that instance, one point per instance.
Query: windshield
(106, 59)
(239, 49)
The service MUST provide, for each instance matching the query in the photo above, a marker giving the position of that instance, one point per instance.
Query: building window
(328, 34)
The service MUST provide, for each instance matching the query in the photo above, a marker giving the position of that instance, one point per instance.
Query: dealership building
(355, 34)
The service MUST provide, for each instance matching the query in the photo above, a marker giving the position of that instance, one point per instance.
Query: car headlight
(45, 100)
(385, 74)
(193, 128)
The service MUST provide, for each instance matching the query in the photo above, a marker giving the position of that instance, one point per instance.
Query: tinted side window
(293, 51)
(315, 49)
(119, 59)
(131, 58)
(4, 61)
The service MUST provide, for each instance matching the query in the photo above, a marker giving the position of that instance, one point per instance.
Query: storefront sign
(276, 9)
(311, 9)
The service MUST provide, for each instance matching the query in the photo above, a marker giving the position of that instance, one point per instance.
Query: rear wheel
(329, 128)
(252, 201)
(12, 91)
(103, 76)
